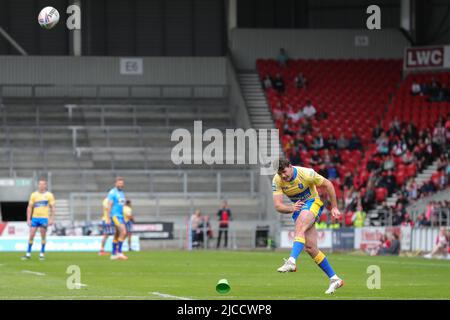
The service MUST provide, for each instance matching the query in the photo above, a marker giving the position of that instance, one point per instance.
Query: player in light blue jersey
(116, 202)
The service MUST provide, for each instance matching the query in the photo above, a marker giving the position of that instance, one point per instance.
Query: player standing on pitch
(129, 220)
(41, 202)
(116, 202)
(299, 185)
(107, 227)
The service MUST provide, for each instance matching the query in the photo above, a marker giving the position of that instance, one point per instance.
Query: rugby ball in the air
(48, 17)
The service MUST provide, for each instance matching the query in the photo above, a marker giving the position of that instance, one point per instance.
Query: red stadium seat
(381, 194)
(356, 94)
(400, 178)
(411, 170)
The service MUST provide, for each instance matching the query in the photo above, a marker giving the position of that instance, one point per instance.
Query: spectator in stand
(315, 160)
(372, 164)
(332, 172)
(323, 170)
(420, 155)
(348, 179)
(430, 211)
(295, 116)
(402, 198)
(395, 128)
(389, 182)
(225, 217)
(278, 114)
(326, 157)
(350, 199)
(278, 84)
(383, 213)
(286, 127)
(342, 142)
(300, 81)
(369, 196)
(309, 111)
(331, 142)
(307, 127)
(322, 115)
(407, 221)
(413, 192)
(408, 157)
(448, 172)
(415, 88)
(421, 221)
(318, 142)
(411, 132)
(383, 144)
(348, 219)
(441, 244)
(336, 158)
(396, 217)
(282, 57)
(447, 132)
(359, 217)
(389, 163)
(300, 143)
(322, 224)
(354, 142)
(334, 224)
(442, 162)
(377, 131)
(399, 148)
(427, 188)
(295, 158)
(439, 135)
(434, 90)
(267, 82)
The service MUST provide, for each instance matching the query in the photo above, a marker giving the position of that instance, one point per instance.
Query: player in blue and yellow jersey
(116, 202)
(300, 184)
(40, 215)
(129, 220)
(107, 226)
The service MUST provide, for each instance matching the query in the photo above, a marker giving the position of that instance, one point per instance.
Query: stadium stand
(424, 108)
(350, 98)
(82, 147)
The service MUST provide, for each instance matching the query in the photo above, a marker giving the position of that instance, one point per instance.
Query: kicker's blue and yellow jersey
(301, 187)
(41, 202)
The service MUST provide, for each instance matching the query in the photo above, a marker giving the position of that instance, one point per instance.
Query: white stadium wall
(247, 45)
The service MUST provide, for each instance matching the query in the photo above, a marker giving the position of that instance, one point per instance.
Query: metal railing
(183, 178)
(207, 236)
(240, 235)
(87, 206)
(440, 217)
(125, 91)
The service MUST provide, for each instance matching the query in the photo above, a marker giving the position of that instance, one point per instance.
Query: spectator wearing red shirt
(348, 218)
(407, 221)
(224, 215)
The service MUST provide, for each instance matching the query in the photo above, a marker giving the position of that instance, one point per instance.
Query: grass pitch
(193, 275)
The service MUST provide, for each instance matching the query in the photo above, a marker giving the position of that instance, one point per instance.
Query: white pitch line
(411, 263)
(33, 272)
(80, 284)
(169, 296)
(71, 297)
